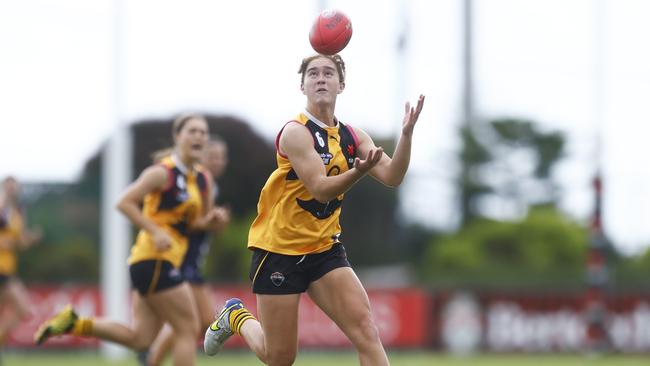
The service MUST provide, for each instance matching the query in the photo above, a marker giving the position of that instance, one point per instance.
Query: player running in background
(215, 161)
(166, 202)
(14, 300)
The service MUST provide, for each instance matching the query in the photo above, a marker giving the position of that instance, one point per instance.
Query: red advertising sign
(402, 316)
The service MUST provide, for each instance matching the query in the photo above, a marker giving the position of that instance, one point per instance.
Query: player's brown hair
(177, 126)
(337, 59)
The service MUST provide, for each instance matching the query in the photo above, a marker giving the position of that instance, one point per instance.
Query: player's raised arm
(391, 171)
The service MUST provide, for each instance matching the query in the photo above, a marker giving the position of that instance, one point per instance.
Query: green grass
(338, 359)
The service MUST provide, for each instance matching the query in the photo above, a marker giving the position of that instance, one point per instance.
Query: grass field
(341, 359)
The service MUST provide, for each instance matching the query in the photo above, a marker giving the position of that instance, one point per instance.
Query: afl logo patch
(277, 278)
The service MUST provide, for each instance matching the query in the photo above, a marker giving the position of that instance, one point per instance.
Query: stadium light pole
(116, 175)
(597, 274)
(467, 97)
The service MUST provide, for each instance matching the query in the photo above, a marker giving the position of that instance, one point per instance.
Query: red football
(331, 32)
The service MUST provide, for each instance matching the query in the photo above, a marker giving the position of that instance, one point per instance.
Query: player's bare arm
(298, 145)
(391, 171)
(152, 179)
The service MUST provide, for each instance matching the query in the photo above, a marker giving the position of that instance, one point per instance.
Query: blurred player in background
(295, 237)
(166, 202)
(14, 300)
(215, 161)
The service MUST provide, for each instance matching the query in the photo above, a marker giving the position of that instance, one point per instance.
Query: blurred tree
(506, 163)
(69, 249)
(229, 257)
(544, 248)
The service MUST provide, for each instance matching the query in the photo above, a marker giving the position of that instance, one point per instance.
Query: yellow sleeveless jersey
(11, 226)
(174, 209)
(289, 220)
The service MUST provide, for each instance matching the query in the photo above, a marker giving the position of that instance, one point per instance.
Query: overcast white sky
(63, 88)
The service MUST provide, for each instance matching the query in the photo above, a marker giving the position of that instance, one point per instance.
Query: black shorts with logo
(151, 276)
(279, 274)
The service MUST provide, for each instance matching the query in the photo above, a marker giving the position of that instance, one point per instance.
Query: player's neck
(324, 113)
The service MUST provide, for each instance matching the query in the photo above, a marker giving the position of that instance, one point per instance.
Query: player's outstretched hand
(411, 116)
(373, 157)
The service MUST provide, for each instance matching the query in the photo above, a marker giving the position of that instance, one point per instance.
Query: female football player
(295, 237)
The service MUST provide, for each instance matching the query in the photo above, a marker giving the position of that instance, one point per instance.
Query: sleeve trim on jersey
(354, 135)
(170, 178)
(277, 139)
(204, 192)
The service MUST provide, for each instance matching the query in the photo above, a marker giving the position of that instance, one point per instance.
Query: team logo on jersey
(350, 149)
(180, 182)
(182, 196)
(277, 278)
(320, 140)
(326, 158)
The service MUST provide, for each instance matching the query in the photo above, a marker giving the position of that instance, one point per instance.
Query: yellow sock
(83, 327)
(238, 317)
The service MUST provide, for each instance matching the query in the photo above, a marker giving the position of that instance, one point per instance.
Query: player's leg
(18, 297)
(341, 296)
(161, 346)
(165, 339)
(274, 339)
(16, 309)
(176, 306)
(204, 304)
(146, 325)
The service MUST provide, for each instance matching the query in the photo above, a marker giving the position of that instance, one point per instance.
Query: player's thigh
(278, 315)
(340, 294)
(204, 304)
(18, 297)
(146, 322)
(176, 306)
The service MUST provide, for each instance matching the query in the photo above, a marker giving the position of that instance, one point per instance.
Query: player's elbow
(393, 182)
(122, 205)
(321, 197)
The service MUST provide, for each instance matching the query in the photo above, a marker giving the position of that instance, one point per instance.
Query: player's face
(216, 159)
(192, 139)
(11, 188)
(322, 83)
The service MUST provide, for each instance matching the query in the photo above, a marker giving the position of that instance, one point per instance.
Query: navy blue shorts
(279, 274)
(197, 249)
(192, 274)
(4, 279)
(152, 276)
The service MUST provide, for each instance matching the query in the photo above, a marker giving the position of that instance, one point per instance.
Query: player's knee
(139, 344)
(195, 326)
(187, 328)
(366, 329)
(284, 357)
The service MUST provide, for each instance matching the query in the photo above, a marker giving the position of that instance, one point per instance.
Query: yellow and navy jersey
(11, 227)
(174, 209)
(290, 220)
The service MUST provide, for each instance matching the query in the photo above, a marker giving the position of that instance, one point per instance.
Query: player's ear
(302, 88)
(341, 87)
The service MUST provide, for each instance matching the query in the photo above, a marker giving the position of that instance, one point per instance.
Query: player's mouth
(321, 90)
(197, 147)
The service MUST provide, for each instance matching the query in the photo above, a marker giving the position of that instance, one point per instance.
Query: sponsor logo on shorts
(277, 278)
(174, 273)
